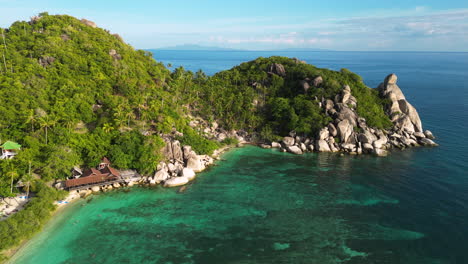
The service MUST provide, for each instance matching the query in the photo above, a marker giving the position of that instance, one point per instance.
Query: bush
(32, 218)
(230, 141)
(198, 143)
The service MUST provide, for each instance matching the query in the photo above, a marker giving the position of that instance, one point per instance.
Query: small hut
(9, 149)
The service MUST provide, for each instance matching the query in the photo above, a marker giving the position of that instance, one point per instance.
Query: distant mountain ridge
(304, 49)
(197, 48)
(194, 47)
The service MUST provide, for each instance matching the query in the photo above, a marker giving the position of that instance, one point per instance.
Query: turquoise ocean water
(262, 206)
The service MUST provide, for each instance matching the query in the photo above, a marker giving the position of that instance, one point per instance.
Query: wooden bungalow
(104, 174)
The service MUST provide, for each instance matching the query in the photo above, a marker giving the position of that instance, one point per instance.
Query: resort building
(103, 174)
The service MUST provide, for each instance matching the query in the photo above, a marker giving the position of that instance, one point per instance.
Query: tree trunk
(11, 186)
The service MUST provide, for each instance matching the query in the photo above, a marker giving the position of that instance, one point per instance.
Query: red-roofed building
(92, 176)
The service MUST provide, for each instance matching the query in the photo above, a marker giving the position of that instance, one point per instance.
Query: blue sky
(432, 25)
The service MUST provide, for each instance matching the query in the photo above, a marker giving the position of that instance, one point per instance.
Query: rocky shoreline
(179, 170)
(349, 133)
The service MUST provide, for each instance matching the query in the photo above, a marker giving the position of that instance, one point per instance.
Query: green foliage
(248, 97)
(31, 219)
(230, 141)
(199, 144)
(71, 94)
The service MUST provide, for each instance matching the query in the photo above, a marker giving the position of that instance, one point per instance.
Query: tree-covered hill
(277, 95)
(72, 93)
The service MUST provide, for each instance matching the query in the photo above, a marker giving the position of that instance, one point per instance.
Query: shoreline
(10, 253)
(73, 197)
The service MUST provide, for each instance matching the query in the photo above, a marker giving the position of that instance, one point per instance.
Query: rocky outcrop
(177, 153)
(345, 129)
(304, 85)
(188, 173)
(322, 146)
(288, 141)
(113, 53)
(195, 164)
(88, 23)
(403, 115)
(161, 176)
(46, 61)
(277, 69)
(294, 149)
(176, 181)
(317, 81)
(348, 132)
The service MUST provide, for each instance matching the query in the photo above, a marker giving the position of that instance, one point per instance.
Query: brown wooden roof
(93, 175)
(105, 160)
(110, 171)
(97, 178)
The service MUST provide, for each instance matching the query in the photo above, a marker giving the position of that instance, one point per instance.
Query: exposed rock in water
(265, 146)
(345, 129)
(403, 115)
(428, 134)
(294, 149)
(188, 173)
(275, 145)
(195, 164)
(380, 152)
(427, 142)
(322, 146)
(288, 141)
(176, 181)
(161, 176)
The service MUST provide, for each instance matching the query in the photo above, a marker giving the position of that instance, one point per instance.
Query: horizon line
(299, 50)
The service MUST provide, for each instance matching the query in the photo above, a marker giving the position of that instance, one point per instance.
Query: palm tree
(13, 174)
(47, 122)
(31, 118)
(27, 179)
(129, 116)
(120, 116)
(68, 122)
(107, 128)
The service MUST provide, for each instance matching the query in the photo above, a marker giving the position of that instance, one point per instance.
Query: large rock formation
(403, 115)
(89, 23)
(348, 132)
(195, 164)
(176, 181)
(277, 69)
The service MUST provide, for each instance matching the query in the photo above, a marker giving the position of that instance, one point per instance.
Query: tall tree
(47, 122)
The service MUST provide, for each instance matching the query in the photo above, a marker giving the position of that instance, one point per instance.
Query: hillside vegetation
(71, 93)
